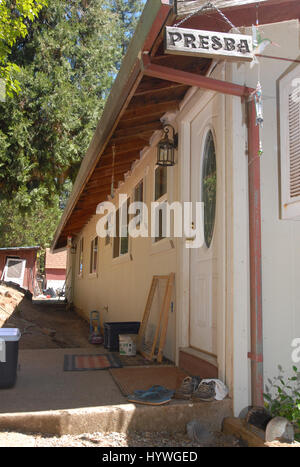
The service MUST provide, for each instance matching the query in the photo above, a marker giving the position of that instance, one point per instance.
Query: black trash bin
(9, 350)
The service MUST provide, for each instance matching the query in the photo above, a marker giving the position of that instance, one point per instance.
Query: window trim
(117, 220)
(107, 239)
(80, 257)
(209, 130)
(289, 207)
(141, 180)
(156, 168)
(134, 200)
(94, 272)
(163, 199)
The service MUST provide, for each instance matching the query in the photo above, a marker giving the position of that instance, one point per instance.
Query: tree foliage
(128, 12)
(68, 61)
(14, 18)
(35, 227)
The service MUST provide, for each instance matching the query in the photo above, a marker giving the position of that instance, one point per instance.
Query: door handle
(192, 237)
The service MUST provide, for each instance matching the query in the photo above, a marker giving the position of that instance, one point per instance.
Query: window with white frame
(139, 192)
(161, 180)
(107, 237)
(80, 257)
(138, 195)
(121, 240)
(94, 255)
(160, 196)
(289, 89)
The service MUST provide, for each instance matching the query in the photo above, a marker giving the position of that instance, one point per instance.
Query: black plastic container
(112, 331)
(8, 368)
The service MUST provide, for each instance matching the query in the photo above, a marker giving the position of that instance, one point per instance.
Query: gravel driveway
(162, 439)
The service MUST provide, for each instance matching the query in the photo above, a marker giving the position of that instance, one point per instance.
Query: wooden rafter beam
(121, 160)
(159, 95)
(104, 173)
(147, 118)
(193, 79)
(88, 194)
(182, 62)
(127, 147)
(155, 86)
(73, 226)
(141, 130)
(149, 110)
(103, 187)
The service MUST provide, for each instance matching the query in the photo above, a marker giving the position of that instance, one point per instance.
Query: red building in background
(18, 265)
(55, 269)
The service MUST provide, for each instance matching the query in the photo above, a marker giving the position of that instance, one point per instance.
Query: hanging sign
(182, 41)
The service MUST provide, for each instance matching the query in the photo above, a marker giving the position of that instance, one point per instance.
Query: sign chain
(226, 19)
(207, 6)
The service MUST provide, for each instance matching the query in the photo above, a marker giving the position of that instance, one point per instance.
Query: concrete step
(122, 418)
(197, 363)
(47, 399)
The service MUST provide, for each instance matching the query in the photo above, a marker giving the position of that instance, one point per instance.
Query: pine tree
(128, 12)
(14, 18)
(36, 227)
(68, 62)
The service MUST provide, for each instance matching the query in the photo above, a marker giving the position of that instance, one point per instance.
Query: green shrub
(282, 398)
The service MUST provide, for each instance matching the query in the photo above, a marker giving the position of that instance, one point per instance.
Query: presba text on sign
(181, 41)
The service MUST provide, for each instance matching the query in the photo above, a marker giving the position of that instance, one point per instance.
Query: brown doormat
(132, 379)
(139, 360)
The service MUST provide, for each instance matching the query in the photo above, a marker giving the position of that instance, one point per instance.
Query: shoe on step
(187, 387)
(205, 391)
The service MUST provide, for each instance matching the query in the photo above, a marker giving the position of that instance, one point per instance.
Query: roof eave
(19, 248)
(151, 22)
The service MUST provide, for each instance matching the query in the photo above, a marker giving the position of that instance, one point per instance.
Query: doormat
(139, 360)
(91, 362)
(132, 379)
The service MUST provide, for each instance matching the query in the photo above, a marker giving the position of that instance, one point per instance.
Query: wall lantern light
(166, 148)
(73, 249)
(71, 245)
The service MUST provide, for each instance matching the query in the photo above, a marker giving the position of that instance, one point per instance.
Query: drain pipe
(256, 354)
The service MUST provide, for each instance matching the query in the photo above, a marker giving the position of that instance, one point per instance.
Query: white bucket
(127, 345)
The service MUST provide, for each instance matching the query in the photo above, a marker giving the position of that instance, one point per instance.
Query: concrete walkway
(43, 385)
(47, 399)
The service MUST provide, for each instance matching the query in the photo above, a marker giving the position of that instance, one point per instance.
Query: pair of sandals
(156, 395)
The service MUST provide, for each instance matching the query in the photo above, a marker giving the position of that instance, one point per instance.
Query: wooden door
(207, 186)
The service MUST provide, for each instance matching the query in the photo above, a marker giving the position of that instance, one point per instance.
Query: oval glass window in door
(209, 187)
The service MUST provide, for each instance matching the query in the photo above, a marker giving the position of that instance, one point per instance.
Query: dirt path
(42, 326)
